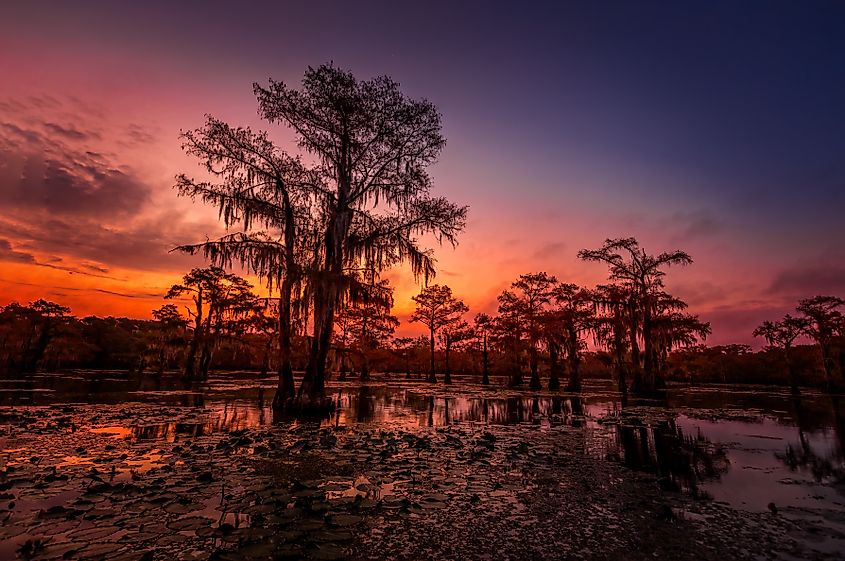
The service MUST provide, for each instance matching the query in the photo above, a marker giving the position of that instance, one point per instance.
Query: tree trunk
(344, 369)
(621, 371)
(447, 378)
(790, 368)
(648, 385)
(365, 367)
(432, 378)
(827, 363)
(191, 358)
(162, 358)
(37, 352)
(574, 384)
(285, 390)
(485, 364)
(554, 375)
(516, 376)
(312, 392)
(535, 369)
(633, 325)
(205, 360)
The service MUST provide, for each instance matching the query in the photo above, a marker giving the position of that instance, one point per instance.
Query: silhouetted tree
(630, 265)
(611, 303)
(673, 329)
(28, 332)
(570, 319)
(170, 334)
(360, 206)
(782, 335)
(483, 323)
(452, 335)
(523, 306)
(264, 322)
(436, 309)
(222, 302)
(371, 146)
(370, 325)
(823, 319)
(404, 347)
(266, 193)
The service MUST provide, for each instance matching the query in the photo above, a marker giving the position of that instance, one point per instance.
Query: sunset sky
(713, 127)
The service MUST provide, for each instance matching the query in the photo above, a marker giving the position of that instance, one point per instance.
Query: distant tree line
(544, 328)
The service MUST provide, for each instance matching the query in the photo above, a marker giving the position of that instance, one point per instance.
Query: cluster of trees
(26, 334)
(44, 336)
(820, 319)
(226, 326)
(541, 320)
(320, 226)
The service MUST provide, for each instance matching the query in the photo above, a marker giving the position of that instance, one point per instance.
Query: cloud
(11, 130)
(44, 173)
(7, 253)
(694, 225)
(735, 323)
(139, 135)
(68, 203)
(70, 132)
(805, 281)
(145, 244)
(137, 294)
(550, 250)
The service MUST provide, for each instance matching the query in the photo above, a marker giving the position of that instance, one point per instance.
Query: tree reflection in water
(824, 467)
(681, 462)
(672, 450)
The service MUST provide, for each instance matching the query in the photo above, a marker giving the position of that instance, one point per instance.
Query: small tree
(483, 324)
(571, 318)
(404, 347)
(673, 329)
(222, 303)
(782, 335)
(642, 273)
(612, 306)
(264, 322)
(524, 306)
(170, 333)
(453, 335)
(436, 309)
(823, 318)
(371, 326)
(28, 332)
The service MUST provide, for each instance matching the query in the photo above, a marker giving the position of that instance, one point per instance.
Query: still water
(750, 447)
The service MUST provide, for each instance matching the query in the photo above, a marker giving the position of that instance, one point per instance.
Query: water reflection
(745, 446)
(680, 461)
(825, 461)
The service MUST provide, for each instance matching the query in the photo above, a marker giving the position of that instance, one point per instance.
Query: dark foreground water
(747, 446)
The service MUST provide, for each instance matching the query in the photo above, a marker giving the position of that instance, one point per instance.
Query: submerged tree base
(304, 407)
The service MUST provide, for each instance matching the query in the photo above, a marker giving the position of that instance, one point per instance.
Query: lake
(753, 448)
